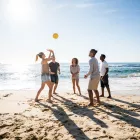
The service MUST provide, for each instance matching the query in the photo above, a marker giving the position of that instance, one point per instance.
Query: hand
(52, 73)
(49, 50)
(73, 75)
(85, 76)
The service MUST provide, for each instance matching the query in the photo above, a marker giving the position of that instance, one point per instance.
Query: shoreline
(115, 92)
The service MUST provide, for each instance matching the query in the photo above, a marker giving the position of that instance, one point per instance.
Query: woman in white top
(75, 69)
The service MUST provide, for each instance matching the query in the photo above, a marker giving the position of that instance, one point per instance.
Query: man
(94, 77)
(55, 68)
(104, 75)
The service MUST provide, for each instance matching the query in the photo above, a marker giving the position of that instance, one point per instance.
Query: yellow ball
(55, 35)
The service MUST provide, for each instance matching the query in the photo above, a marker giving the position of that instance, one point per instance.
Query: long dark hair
(76, 61)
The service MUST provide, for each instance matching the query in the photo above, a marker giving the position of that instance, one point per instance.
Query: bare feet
(91, 104)
(49, 101)
(36, 100)
(55, 93)
(109, 97)
(101, 95)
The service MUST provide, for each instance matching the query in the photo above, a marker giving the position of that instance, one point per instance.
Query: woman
(75, 69)
(45, 76)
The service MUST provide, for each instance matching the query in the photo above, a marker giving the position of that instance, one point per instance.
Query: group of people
(51, 70)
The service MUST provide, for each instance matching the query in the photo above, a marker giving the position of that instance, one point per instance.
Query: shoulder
(57, 63)
(105, 63)
(90, 60)
(50, 63)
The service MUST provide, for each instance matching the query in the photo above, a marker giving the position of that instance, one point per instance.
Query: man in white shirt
(104, 75)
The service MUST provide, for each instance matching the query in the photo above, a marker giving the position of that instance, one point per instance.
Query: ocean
(122, 76)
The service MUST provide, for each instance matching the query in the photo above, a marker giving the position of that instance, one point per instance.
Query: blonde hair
(39, 55)
(36, 57)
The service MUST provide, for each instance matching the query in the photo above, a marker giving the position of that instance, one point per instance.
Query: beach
(68, 118)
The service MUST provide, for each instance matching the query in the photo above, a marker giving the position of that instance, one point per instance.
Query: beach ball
(55, 35)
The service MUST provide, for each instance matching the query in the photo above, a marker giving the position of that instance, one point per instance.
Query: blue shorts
(45, 77)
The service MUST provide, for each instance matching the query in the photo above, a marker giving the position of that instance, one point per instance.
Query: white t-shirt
(103, 67)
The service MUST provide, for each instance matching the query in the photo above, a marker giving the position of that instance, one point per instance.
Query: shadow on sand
(121, 114)
(82, 111)
(125, 102)
(72, 128)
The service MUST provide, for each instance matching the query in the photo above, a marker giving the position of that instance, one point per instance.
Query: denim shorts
(45, 77)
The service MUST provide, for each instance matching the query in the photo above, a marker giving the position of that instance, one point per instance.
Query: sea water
(122, 76)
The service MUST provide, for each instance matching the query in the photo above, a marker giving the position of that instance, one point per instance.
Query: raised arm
(50, 57)
(53, 56)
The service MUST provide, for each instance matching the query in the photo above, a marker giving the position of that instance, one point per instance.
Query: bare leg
(77, 84)
(97, 96)
(90, 93)
(50, 86)
(38, 93)
(73, 82)
(108, 89)
(54, 88)
(102, 92)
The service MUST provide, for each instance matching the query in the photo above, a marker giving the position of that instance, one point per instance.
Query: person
(55, 68)
(75, 69)
(94, 77)
(45, 76)
(104, 76)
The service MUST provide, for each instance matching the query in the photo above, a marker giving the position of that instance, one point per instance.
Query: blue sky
(110, 26)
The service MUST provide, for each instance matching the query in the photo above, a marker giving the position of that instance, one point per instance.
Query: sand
(68, 118)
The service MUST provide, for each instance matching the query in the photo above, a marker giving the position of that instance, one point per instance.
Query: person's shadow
(82, 111)
(125, 102)
(121, 114)
(72, 128)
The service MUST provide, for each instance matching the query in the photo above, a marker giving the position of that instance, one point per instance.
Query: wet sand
(68, 118)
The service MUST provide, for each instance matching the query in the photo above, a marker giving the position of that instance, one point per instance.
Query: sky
(110, 26)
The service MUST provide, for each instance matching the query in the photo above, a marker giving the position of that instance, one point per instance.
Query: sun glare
(19, 10)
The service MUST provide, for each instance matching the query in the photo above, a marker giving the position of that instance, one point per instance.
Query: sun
(19, 10)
